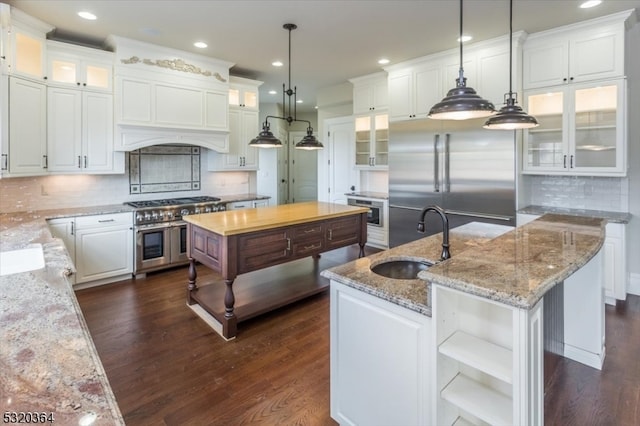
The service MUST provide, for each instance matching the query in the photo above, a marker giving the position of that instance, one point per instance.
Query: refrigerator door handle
(395, 206)
(436, 164)
(447, 177)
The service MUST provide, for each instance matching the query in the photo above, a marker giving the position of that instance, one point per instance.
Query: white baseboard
(634, 284)
(585, 357)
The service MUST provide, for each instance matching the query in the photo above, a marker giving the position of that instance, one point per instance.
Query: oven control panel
(150, 216)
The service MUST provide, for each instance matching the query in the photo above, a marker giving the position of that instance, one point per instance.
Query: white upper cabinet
(591, 50)
(243, 93)
(581, 132)
(370, 93)
(27, 51)
(27, 143)
(75, 66)
(415, 86)
(244, 125)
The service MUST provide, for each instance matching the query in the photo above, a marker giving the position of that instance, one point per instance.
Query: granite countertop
(232, 222)
(411, 294)
(515, 266)
(613, 217)
(519, 267)
(242, 197)
(49, 362)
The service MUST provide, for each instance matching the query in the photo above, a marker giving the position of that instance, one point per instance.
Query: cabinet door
(250, 130)
(64, 129)
(342, 232)
(28, 54)
(615, 264)
(97, 75)
(362, 99)
(27, 127)
(65, 230)
(372, 381)
(380, 140)
(493, 75)
(103, 253)
(596, 55)
(216, 110)
(545, 147)
(545, 64)
(363, 140)
(97, 132)
(400, 95)
(427, 89)
(597, 128)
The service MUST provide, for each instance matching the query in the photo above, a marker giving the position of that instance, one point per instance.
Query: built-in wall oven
(375, 216)
(160, 232)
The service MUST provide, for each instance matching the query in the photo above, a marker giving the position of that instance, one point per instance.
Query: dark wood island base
(278, 242)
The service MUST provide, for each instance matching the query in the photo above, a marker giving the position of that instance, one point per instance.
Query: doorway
(303, 171)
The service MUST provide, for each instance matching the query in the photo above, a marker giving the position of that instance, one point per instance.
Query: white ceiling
(335, 40)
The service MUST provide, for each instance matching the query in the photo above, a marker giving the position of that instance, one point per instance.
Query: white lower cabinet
(380, 361)
(487, 361)
(247, 204)
(101, 246)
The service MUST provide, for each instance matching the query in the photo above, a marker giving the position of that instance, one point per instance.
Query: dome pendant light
(266, 139)
(461, 102)
(511, 116)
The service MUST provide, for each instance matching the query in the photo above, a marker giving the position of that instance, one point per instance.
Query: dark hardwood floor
(167, 367)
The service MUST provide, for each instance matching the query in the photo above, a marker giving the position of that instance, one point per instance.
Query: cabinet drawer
(300, 233)
(307, 246)
(115, 219)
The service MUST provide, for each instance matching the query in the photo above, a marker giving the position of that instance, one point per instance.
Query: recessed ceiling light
(272, 92)
(464, 38)
(200, 44)
(383, 61)
(87, 15)
(590, 3)
(277, 63)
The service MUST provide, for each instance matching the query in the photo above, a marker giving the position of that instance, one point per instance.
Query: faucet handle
(421, 227)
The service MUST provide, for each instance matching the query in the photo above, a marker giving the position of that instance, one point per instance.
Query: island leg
(192, 286)
(230, 324)
(361, 254)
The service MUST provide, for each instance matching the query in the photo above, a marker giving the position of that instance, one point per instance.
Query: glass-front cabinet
(581, 130)
(75, 66)
(372, 141)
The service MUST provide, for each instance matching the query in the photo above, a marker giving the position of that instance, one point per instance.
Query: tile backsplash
(579, 192)
(64, 191)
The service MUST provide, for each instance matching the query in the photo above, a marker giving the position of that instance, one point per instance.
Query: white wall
(633, 143)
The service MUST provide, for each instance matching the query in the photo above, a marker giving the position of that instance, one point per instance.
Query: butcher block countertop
(233, 222)
(515, 266)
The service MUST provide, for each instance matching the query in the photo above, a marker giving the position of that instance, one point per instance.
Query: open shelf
(479, 354)
(483, 401)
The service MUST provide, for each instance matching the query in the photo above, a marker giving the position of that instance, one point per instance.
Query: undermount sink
(401, 269)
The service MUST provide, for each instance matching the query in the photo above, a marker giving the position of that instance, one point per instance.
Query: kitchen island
(237, 242)
(466, 342)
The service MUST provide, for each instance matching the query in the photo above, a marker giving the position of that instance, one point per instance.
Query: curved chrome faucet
(445, 228)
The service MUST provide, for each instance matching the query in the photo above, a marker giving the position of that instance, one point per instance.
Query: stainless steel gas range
(160, 232)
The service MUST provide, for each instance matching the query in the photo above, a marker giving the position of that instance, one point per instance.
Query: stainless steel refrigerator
(465, 169)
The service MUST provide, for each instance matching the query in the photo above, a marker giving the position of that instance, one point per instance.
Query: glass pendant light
(266, 139)
(511, 116)
(461, 102)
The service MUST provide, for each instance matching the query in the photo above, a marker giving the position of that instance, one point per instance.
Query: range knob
(207, 209)
(154, 215)
(197, 210)
(169, 215)
(138, 217)
(184, 212)
(147, 216)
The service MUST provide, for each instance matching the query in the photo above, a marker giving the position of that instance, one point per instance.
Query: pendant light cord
(461, 79)
(510, 48)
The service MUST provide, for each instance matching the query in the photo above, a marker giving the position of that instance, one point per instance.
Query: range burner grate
(173, 201)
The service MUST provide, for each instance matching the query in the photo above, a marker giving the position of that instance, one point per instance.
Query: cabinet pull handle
(288, 244)
(73, 230)
(5, 161)
(564, 161)
(79, 162)
(78, 83)
(571, 162)
(308, 231)
(106, 220)
(46, 162)
(330, 234)
(85, 161)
